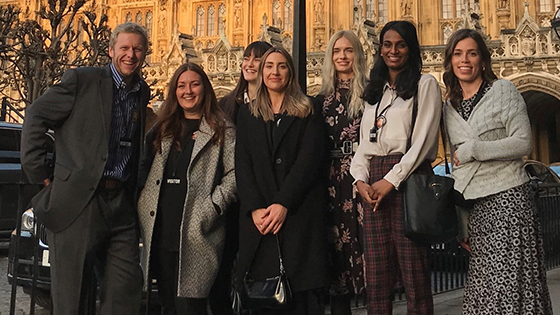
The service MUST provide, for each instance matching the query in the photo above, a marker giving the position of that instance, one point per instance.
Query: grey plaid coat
(211, 188)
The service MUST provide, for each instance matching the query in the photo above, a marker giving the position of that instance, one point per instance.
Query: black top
(174, 191)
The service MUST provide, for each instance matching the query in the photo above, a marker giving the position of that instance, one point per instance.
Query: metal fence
(449, 262)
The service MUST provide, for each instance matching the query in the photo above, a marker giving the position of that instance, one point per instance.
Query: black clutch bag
(272, 293)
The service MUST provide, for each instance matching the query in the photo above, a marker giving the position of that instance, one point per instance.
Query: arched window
(200, 22)
(139, 18)
(288, 15)
(128, 17)
(370, 10)
(276, 14)
(221, 15)
(211, 22)
(149, 22)
(447, 9)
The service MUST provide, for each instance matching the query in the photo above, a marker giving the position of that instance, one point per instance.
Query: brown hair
(171, 119)
(453, 88)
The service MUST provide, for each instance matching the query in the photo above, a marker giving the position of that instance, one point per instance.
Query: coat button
(104, 158)
(157, 182)
(278, 160)
(152, 213)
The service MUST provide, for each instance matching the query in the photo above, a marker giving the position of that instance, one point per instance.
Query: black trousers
(164, 268)
(105, 238)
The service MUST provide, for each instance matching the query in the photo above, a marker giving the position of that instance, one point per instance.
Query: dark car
(542, 173)
(11, 178)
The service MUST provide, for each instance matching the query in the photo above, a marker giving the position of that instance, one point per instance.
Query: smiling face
(467, 62)
(190, 93)
(343, 58)
(275, 72)
(128, 54)
(394, 51)
(250, 67)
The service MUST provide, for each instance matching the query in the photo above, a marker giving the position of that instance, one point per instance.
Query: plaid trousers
(387, 251)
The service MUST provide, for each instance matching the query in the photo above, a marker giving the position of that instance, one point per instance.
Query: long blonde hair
(295, 103)
(356, 103)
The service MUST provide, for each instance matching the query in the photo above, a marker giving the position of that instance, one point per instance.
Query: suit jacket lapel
(106, 97)
(283, 125)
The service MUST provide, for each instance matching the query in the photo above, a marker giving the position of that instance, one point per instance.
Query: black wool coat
(291, 173)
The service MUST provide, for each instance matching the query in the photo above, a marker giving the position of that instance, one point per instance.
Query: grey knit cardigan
(491, 144)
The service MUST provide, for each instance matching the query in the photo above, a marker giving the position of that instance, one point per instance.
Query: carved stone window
(149, 22)
(288, 15)
(128, 17)
(545, 6)
(211, 23)
(447, 32)
(447, 9)
(221, 15)
(276, 14)
(370, 10)
(383, 9)
(139, 18)
(200, 21)
(463, 6)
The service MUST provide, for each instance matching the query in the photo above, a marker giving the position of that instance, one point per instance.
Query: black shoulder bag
(272, 293)
(429, 207)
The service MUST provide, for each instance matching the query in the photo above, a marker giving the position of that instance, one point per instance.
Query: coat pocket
(61, 172)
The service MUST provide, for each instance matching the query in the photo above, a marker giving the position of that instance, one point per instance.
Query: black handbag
(272, 293)
(429, 206)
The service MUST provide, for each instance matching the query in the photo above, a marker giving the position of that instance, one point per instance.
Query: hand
(455, 159)
(259, 216)
(276, 217)
(380, 189)
(465, 244)
(46, 182)
(365, 191)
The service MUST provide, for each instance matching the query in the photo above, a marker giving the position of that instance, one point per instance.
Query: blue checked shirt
(124, 124)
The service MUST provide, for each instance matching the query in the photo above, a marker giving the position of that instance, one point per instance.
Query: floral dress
(345, 211)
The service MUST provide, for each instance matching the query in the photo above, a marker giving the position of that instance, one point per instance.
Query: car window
(9, 140)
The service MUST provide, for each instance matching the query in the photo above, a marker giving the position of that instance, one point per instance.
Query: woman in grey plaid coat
(189, 164)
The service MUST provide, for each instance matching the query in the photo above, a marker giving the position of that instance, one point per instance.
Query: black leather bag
(272, 293)
(429, 206)
(429, 209)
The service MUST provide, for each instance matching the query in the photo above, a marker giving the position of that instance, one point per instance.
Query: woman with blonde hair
(190, 183)
(340, 99)
(279, 161)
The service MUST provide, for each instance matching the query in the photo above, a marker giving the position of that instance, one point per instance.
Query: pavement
(449, 303)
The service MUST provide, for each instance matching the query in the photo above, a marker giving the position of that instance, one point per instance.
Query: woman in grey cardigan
(489, 132)
(189, 164)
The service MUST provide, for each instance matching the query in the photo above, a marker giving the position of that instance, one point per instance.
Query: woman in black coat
(279, 162)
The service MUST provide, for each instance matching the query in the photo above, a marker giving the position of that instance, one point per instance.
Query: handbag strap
(282, 270)
(444, 139)
(442, 130)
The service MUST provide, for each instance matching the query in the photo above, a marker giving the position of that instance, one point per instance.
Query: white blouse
(392, 137)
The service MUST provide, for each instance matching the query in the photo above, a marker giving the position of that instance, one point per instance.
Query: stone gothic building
(214, 33)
